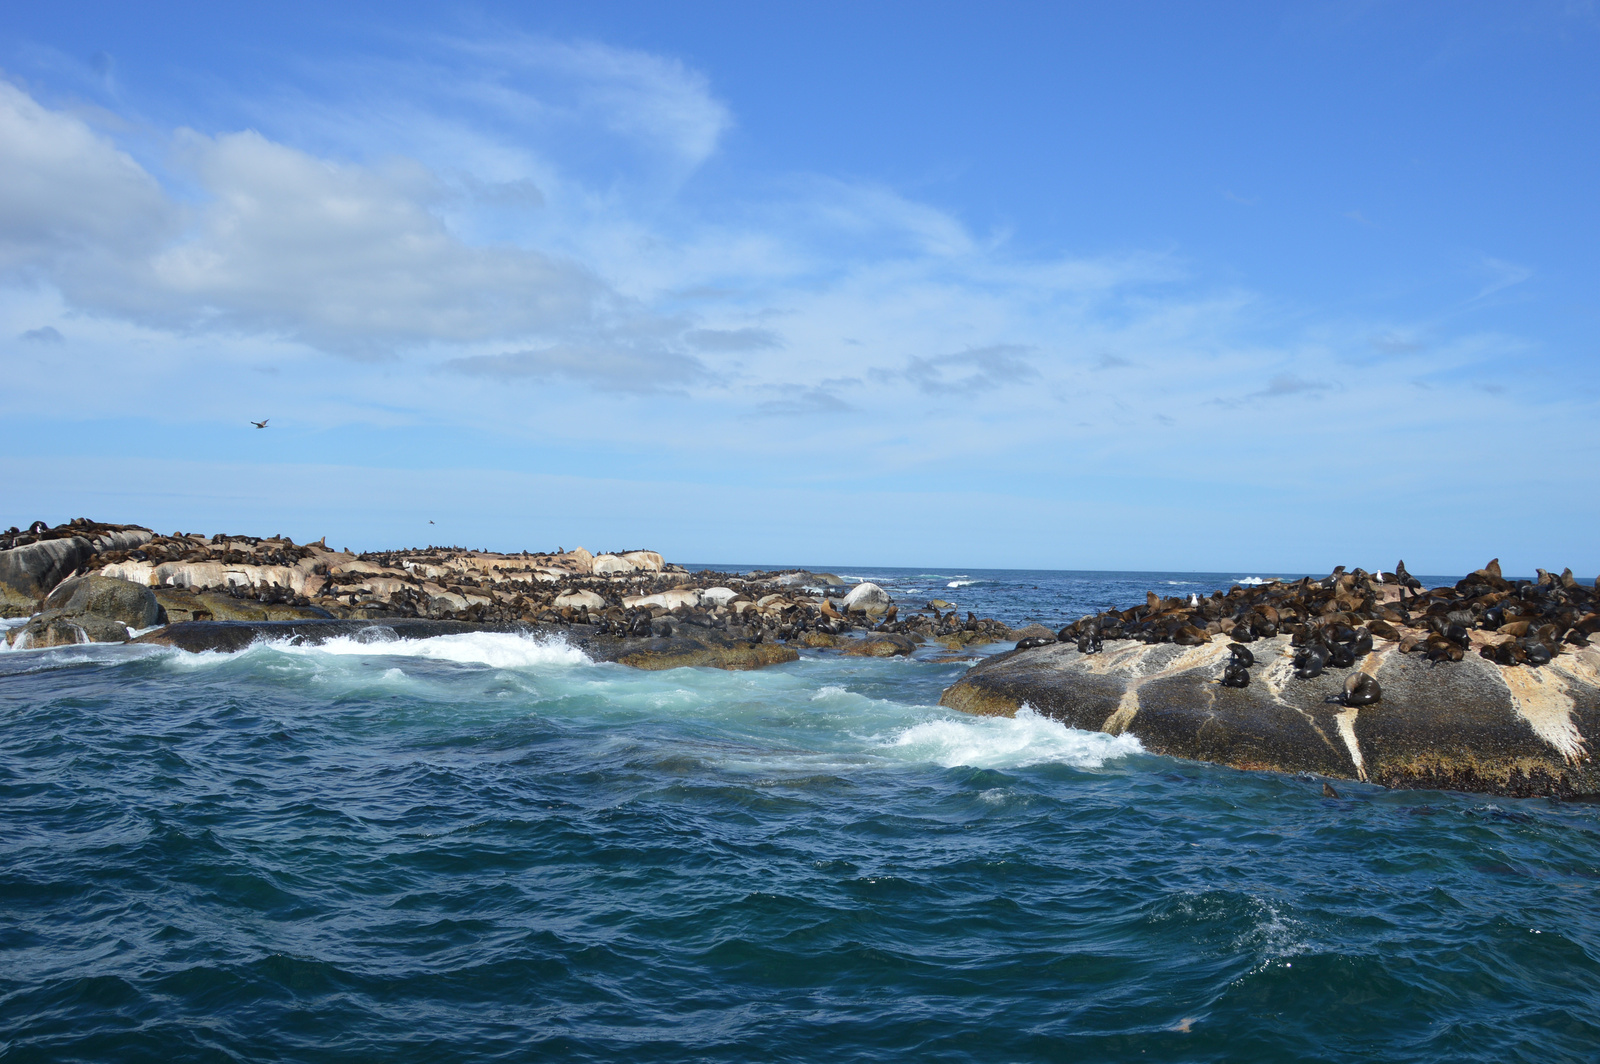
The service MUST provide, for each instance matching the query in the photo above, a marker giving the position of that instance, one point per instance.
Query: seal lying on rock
(1361, 690)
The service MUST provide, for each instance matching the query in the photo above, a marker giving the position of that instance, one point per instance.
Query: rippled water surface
(487, 848)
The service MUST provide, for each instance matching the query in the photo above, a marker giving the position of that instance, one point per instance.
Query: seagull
(430, 522)
(260, 424)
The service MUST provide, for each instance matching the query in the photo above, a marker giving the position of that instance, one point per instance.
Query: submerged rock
(878, 645)
(703, 647)
(1471, 725)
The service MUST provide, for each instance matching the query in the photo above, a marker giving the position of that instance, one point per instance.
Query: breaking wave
(1002, 743)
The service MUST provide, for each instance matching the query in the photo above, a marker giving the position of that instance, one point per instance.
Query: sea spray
(1008, 742)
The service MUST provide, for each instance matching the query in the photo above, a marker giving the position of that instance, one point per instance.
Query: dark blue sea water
(487, 848)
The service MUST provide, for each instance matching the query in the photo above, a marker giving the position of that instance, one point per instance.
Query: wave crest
(1014, 742)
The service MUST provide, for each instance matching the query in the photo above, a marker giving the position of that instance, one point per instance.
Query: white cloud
(68, 193)
(512, 234)
(338, 256)
(650, 100)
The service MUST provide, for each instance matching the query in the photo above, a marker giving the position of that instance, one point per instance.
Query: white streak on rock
(1540, 697)
(1122, 716)
(1347, 731)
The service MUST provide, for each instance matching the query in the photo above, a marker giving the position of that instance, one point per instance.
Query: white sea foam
(1251, 581)
(1001, 742)
(964, 583)
(499, 650)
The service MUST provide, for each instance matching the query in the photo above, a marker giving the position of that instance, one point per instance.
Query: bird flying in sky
(260, 424)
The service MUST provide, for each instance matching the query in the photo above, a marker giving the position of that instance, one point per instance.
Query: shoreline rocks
(631, 605)
(1490, 686)
(703, 648)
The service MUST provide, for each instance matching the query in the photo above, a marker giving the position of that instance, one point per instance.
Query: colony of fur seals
(1332, 621)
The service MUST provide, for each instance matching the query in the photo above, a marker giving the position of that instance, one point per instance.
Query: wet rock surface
(55, 628)
(1490, 685)
(702, 648)
(1471, 725)
(104, 596)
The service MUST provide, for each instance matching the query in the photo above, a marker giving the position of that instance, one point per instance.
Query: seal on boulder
(1361, 690)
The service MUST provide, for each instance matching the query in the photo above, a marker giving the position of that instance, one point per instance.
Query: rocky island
(1490, 685)
(84, 581)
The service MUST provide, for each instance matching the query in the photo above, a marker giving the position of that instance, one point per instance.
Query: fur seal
(1235, 674)
(1348, 610)
(1310, 661)
(1405, 579)
(1241, 655)
(1341, 655)
(1328, 791)
(1089, 638)
(1437, 648)
(1361, 690)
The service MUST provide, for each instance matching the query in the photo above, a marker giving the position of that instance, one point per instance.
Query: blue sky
(1142, 286)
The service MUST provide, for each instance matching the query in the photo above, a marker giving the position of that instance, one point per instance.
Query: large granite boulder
(667, 600)
(580, 600)
(1470, 725)
(867, 598)
(104, 596)
(28, 573)
(56, 628)
(31, 571)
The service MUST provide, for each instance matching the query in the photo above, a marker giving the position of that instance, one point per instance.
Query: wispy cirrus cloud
(1502, 275)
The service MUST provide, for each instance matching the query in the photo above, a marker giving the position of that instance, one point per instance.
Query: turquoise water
(488, 848)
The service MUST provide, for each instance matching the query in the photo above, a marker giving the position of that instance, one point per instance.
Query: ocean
(488, 848)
